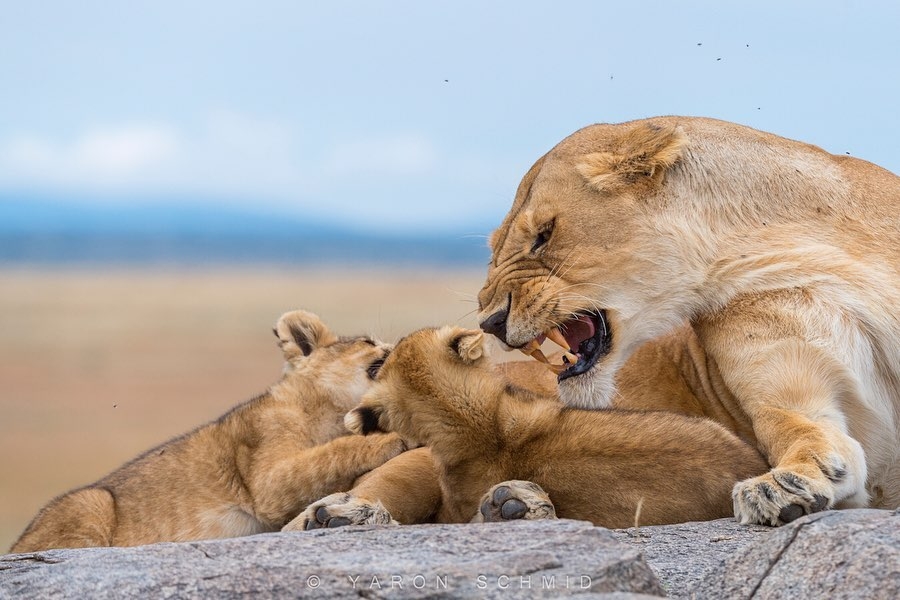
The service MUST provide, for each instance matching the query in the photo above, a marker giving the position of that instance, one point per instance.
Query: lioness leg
(793, 393)
(80, 519)
(513, 500)
(403, 490)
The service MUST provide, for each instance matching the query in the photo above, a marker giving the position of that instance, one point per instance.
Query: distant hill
(41, 231)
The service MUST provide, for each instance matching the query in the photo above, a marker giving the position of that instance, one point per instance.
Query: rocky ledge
(835, 554)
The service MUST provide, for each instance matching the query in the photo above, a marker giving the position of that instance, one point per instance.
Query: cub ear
(469, 345)
(300, 332)
(363, 420)
(643, 153)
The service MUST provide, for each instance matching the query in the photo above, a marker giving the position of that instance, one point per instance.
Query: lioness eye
(542, 236)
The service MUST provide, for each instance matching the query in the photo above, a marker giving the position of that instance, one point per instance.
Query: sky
(407, 116)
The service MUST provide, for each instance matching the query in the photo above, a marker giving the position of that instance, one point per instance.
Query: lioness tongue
(578, 330)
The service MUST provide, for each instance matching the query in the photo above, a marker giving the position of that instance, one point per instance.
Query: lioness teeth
(533, 349)
(557, 338)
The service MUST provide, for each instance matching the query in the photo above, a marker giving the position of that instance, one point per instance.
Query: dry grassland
(98, 366)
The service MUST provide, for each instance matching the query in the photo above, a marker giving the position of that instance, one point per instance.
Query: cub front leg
(403, 490)
(794, 394)
(513, 500)
(283, 479)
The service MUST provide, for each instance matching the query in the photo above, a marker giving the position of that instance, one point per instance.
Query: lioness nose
(496, 324)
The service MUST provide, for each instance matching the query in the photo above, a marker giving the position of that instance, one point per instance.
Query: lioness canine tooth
(557, 338)
(534, 352)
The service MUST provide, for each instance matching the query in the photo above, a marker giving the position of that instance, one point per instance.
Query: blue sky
(396, 116)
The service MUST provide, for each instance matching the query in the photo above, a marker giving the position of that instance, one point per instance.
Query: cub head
(580, 259)
(432, 383)
(341, 368)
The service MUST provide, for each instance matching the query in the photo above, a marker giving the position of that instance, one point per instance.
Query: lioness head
(580, 259)
(341, 368)
(430, 383)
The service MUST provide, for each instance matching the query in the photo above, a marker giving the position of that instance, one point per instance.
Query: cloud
(228, 154)
(398, 155)
(120, 153)
(102, 156)
(372, 180)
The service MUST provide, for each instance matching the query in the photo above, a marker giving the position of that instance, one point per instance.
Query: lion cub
(437, 389)
(250, 471)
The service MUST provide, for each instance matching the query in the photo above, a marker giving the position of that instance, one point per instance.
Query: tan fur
(406, 490)
(250, 471)
(782, 258)
(595, 465)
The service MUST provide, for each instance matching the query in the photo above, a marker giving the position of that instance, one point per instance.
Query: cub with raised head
(438, 389)
(252, 470)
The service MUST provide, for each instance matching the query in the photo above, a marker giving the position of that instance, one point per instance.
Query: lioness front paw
(513, 500)
(780, 496)
(338, 510)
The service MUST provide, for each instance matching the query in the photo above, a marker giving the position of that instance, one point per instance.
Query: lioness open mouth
(585, 339)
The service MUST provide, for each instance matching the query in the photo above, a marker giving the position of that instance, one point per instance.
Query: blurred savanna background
(174, 176)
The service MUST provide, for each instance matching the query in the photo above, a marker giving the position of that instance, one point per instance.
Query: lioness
(250, 471)
(437, 389)
(783, 259)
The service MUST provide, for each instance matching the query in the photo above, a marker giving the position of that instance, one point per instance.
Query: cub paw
(385, 447)
(512, 500)
(338, 510)
(780, 496)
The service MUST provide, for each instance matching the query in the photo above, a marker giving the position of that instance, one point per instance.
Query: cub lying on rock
(437, 389)
(250, 471)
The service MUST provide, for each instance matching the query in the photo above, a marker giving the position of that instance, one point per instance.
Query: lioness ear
(644, 152)
(469, 346)
(300, 332)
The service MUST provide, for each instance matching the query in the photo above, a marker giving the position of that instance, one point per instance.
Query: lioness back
(250, 471)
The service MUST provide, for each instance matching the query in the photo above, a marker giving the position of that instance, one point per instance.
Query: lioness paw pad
(339, 510)
(778, 497)
(513, 500)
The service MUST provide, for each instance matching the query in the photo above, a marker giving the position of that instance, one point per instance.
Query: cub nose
(496, 324)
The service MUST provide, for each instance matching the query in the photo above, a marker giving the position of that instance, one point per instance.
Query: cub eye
(372, 369)
(542, 236)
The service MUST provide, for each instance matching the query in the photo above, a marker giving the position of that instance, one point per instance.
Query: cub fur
(784, 261)
(250, 471)
(437, 389)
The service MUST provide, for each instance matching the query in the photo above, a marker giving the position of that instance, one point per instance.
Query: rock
(683, 555)
(835, 554)
(508, 560)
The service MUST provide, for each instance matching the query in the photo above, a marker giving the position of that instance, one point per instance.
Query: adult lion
(782, 258)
